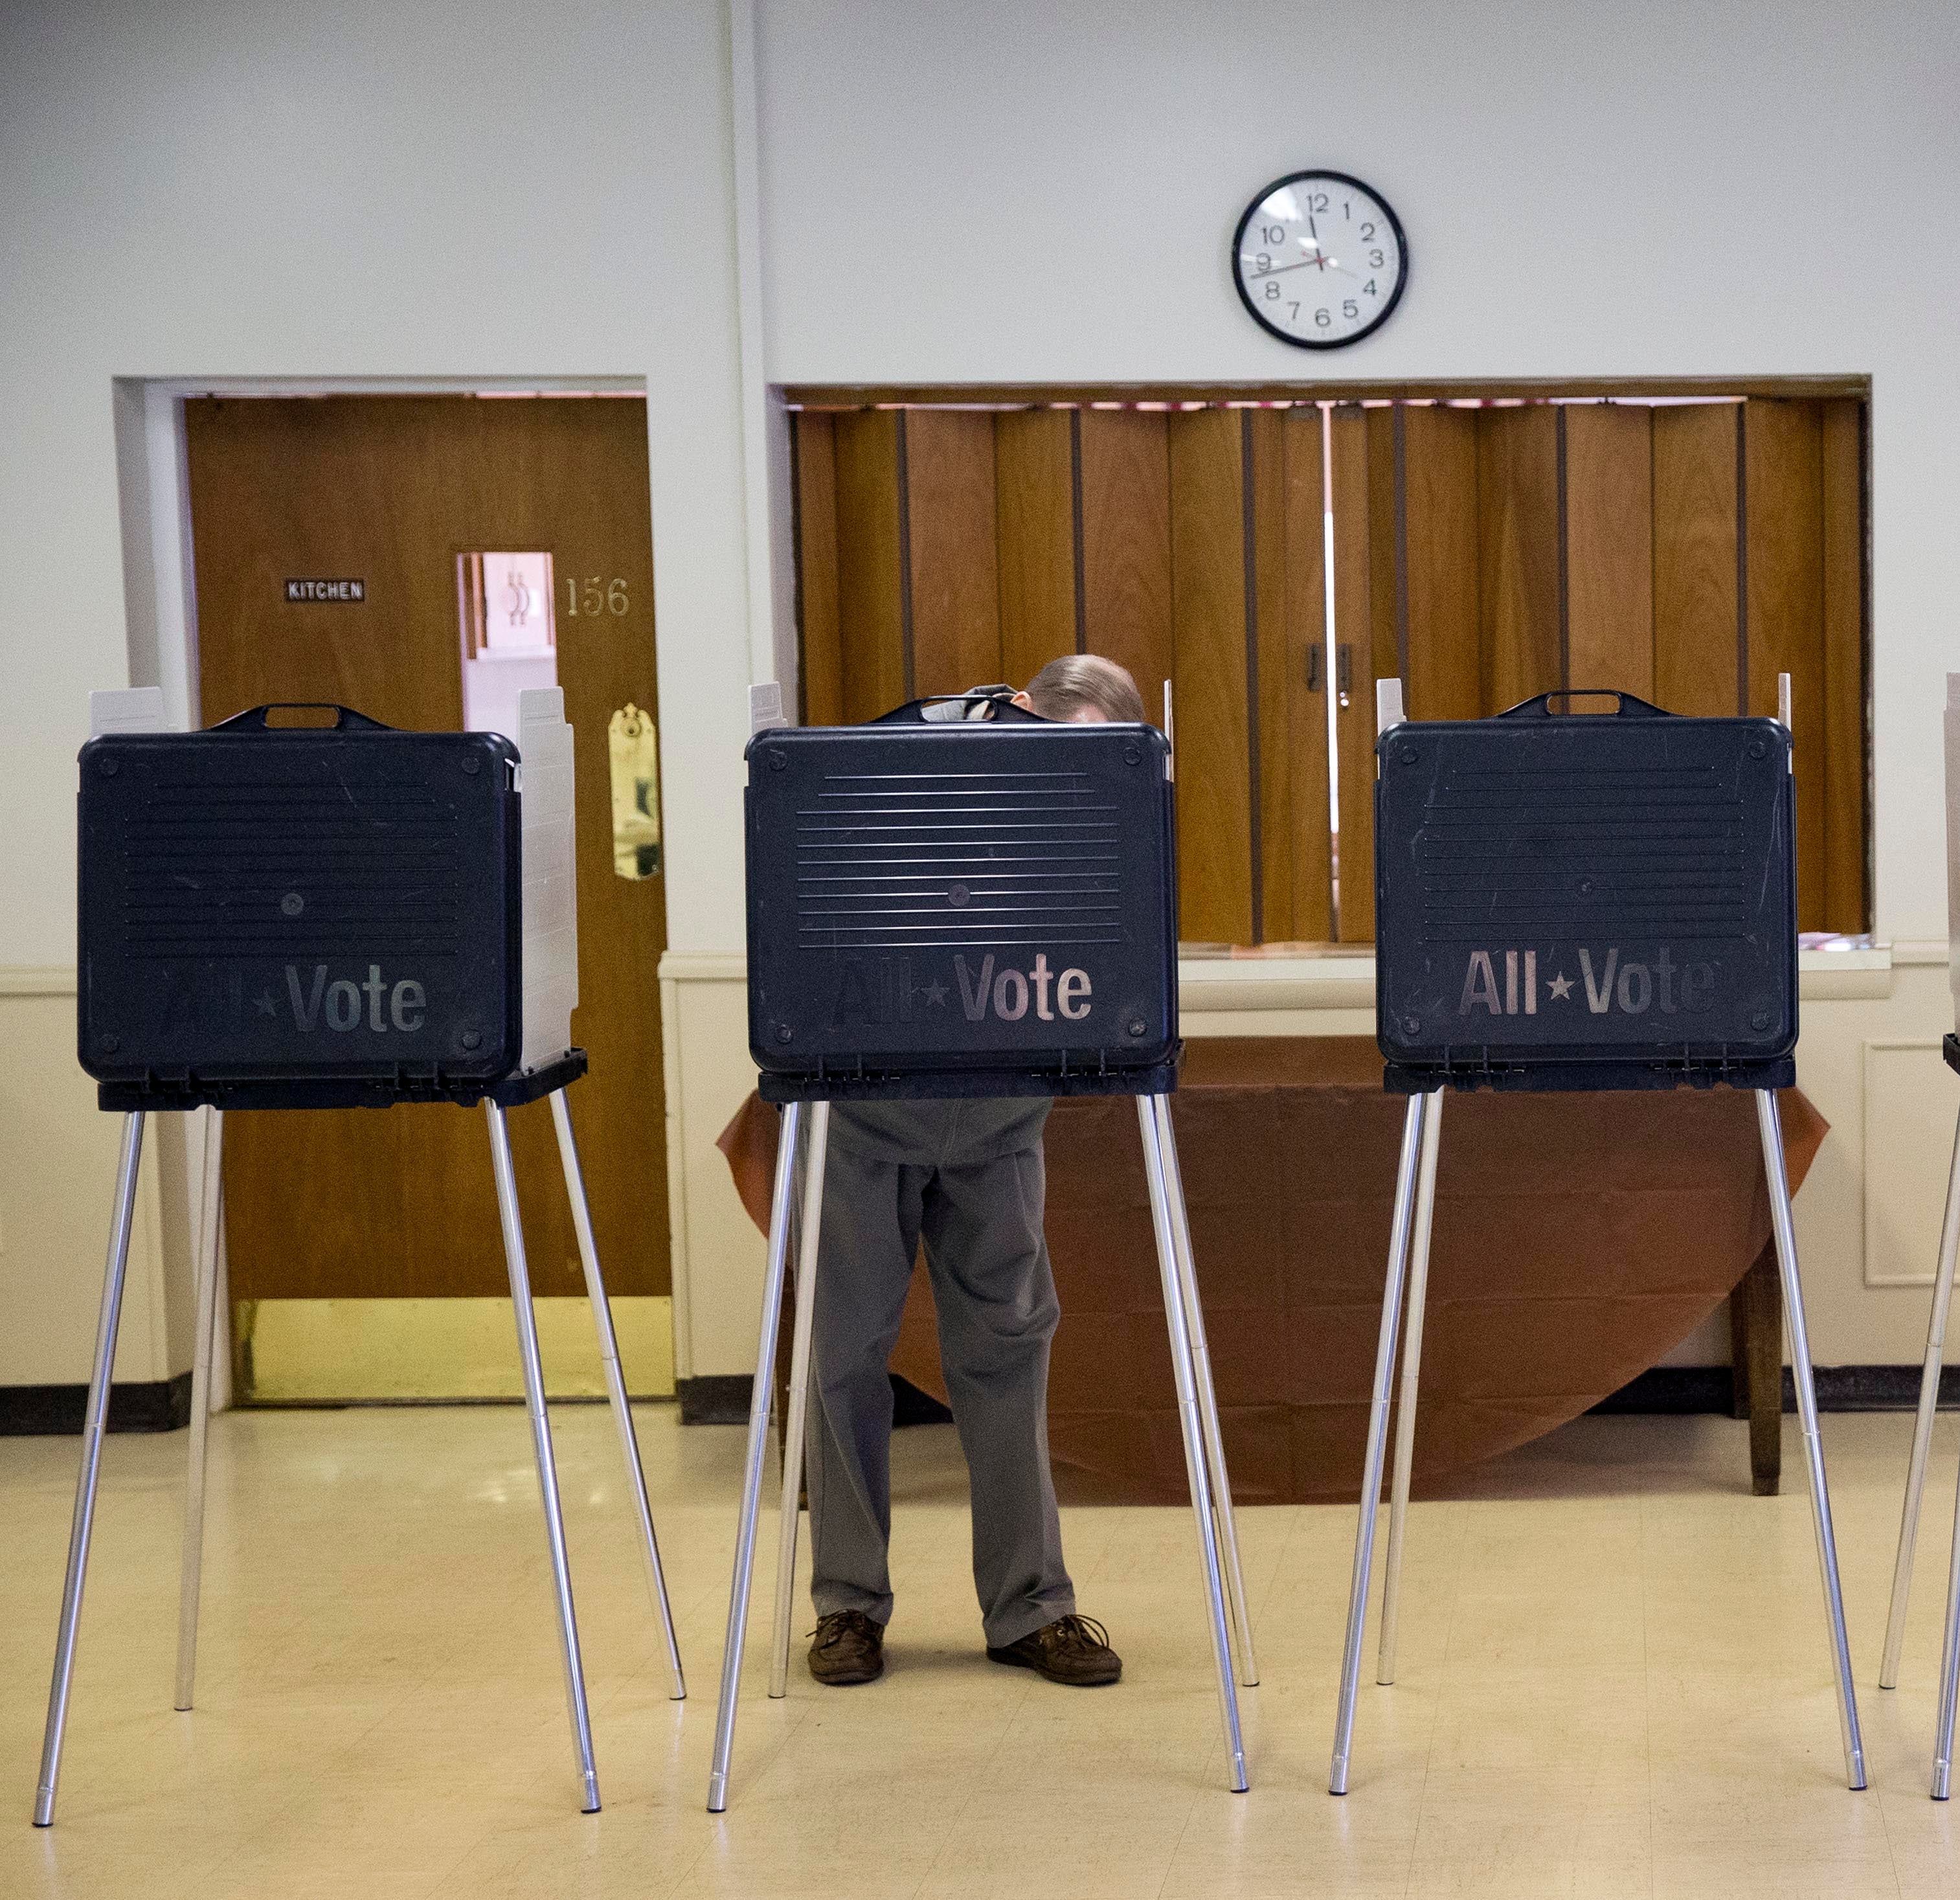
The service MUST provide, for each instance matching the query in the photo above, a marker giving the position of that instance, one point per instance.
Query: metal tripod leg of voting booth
(1922, 1430)
(1415, 1141)
(1195, 1399)
(809, 1209)
(203, 1347)
(541, 1444)
(203, 1350)
(759, 1394)
(616, 1384)
(93, 1423)
(1774, 1168)
(1405, 1402)
(1208, 1400)
(1413, 1118)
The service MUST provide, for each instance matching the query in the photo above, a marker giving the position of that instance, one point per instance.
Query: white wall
(1007, 191)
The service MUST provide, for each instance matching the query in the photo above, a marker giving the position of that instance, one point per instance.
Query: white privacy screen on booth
(551, 893)
(141, 709)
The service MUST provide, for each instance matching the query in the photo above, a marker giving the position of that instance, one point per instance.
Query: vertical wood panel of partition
(1353, 446)
(1782, 527)
(1847, 881)
(1034, 489)
(1444, 675)
(1216, 863)
(873, 637)
(1687, 552)
(820, 674)
(1609, 547)
(1519, 601)
(1125, 457)
(1269, 660)
(1696, 448)
(1307, 679)
(956, 611)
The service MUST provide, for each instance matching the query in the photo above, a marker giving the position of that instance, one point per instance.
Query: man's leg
(869, 1240)
(995, 1295)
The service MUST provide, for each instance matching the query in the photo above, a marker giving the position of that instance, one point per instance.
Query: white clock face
(1319, 259)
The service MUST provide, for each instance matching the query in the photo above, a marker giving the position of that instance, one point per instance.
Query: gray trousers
(979, 1212)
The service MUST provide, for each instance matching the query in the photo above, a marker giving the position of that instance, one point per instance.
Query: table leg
(1755, 1353)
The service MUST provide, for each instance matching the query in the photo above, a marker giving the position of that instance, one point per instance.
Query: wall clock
(1319, 259)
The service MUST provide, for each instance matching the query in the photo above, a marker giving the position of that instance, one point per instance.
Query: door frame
(160, 610)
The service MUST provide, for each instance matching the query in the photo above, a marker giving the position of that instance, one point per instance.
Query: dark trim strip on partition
(1565, 559)
(1399, 434)
(1742, 560)
(1249, 515)
(1075, 516)
(906, 562)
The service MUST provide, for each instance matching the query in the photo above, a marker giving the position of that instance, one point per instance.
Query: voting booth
(302, 917)
(974, 908)
(1603, 900)
(1936, 1340)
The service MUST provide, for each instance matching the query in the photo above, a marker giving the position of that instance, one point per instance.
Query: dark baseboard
(722, 1398)
(1672, 1390)
(1678, 1389)
(46, 1412)
(716, 1398)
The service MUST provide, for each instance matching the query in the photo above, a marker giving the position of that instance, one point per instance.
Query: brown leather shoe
(1072, 1649)
(849, 1648)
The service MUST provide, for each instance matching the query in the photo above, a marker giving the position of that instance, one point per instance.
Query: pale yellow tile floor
(1613, 1682)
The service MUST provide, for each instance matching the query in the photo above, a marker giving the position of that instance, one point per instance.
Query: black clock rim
(1239, 283)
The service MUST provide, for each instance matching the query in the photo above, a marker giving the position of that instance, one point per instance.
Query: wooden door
(358, 1205)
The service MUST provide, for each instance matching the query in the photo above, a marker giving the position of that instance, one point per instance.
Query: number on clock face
(1319, 259)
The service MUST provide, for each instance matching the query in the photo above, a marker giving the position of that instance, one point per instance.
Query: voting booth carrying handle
(795, 1220)
(141, 710)
(1405, 1289)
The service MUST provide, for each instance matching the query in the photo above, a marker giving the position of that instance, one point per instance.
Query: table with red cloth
(1577, 1238)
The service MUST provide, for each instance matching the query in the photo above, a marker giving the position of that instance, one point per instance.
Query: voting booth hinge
(549, 936)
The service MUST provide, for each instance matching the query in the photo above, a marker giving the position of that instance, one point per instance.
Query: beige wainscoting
(57, 1161)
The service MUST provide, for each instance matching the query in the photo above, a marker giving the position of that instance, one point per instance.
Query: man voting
(966, 1177)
